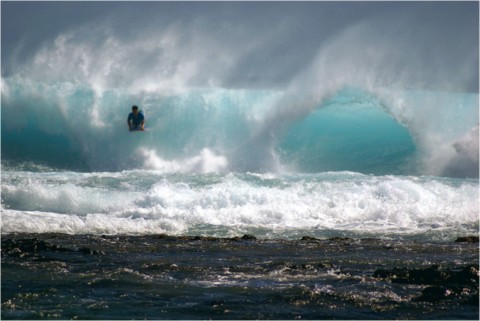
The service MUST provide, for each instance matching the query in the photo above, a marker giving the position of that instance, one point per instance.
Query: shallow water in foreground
(58, 276)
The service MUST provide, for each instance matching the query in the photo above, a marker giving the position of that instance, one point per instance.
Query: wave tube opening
(350, 132)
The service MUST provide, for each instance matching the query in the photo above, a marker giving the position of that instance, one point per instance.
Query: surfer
(135, 119)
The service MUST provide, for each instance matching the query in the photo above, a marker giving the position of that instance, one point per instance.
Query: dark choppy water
(59, 276)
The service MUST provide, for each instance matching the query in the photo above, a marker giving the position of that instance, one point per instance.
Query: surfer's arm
(142, 118)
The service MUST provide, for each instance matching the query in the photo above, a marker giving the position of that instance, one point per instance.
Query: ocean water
(226, 162)
(59, 276)
(283, 206)
(328, 183)
(101, 223)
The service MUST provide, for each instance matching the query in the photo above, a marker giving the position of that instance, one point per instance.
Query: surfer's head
(135, 109)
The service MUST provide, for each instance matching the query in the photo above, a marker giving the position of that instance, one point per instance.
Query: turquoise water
(352, 131)
(73, 127)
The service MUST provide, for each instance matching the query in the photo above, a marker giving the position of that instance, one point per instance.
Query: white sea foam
(205, 162)
(148, 202)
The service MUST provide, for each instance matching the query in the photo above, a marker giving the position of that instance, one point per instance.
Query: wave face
(71, 127)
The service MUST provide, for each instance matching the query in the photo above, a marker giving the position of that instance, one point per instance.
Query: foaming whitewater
(227, 204)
